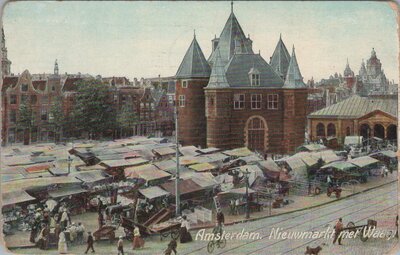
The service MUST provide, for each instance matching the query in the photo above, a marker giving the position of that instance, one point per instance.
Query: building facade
(356, 115)
(237, 99)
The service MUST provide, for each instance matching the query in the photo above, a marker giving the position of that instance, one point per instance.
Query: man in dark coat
(89, 243)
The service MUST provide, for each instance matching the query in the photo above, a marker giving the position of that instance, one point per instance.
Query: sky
(148, 38)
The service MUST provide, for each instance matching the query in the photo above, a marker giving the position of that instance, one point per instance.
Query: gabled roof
(218, 78)
(9, 82)
(70, 84)
(39, 84)
(280, 59)
(232, 31)
(194, 64)
(294, 80)
(237, 72)
(356, 107)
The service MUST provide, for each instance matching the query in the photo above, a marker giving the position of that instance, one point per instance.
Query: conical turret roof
(280, 59)
(194, 64)
(294, 80)
(231, 35)
(218, 77)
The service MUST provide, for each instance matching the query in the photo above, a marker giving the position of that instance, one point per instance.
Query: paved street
(378, 204)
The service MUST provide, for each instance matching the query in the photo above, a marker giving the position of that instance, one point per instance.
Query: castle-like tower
(192, 76)
(246, 101)
(5, 63)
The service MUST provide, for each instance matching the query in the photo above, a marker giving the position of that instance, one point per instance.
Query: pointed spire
(56, 67)
(280, 58)
(194, 64)
(294, 80)
(194, 33)
(231, 32)
(218, 77)
(231, 6)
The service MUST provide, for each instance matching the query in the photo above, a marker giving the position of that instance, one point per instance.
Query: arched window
(320, 129)
(256, 134)
(331, 129)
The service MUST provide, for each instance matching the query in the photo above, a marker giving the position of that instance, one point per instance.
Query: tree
(57, 117)
(126, 117)
(25, 120)
(93, 112)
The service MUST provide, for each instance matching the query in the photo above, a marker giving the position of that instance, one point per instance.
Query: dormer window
(184, 84)
(254, 76)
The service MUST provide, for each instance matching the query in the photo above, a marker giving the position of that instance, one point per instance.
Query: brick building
(367, 117)
(243, 101)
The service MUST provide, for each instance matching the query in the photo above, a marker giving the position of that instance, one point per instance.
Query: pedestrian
(329, 181)
(397, 227)
(99, 204)
(100, 219)
(185, 236)
(232, 207)
(120, 246)
(64, 219)
(338, 230)
(220, 222)
(89, 243)
(80, 230)
(138, 241)
(62, 243)
(237, 205)
(172, 245)
(43, 238)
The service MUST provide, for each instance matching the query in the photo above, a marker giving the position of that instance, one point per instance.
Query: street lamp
(247, 173)
(69, 161)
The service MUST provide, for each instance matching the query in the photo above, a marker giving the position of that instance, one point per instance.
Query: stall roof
(189, 150)
(149, 173)
(269, 165)
(185, 187)
(251, 159)
(204, 180)
(11, 177)
(312, 147)
(208, 150)
(90, 176)
(188, 160)
(66, 191)
(240, 191)
(390, 154)
(84, 145)
(363, 161)
(340, 165)
(18, 160)
(153, 192)
(164, 151)
(238, 152)
(124, 162)
(107, 157)
(295, 163)
(91, 168)
(327, 156)
(202, 167)
(165, 164)
(254, 170)
(15, 197)
(24, 184)
(307, 158)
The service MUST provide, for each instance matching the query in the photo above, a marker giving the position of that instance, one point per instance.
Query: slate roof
(39, 84)
(294, 80)
(194, 64)
(237, 71)
(356, 106)
(232, 31)
(280, 59)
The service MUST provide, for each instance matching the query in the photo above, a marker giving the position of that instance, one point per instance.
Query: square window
(272, 101)
(181, 102)
(184, 84)
(13, 99)
(256, 101)
(238, 101)
(43, 114)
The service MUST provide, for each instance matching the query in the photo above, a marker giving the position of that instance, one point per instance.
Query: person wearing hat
(89, 243)
(120, 246)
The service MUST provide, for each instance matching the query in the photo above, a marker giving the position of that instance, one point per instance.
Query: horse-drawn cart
(351, 227)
